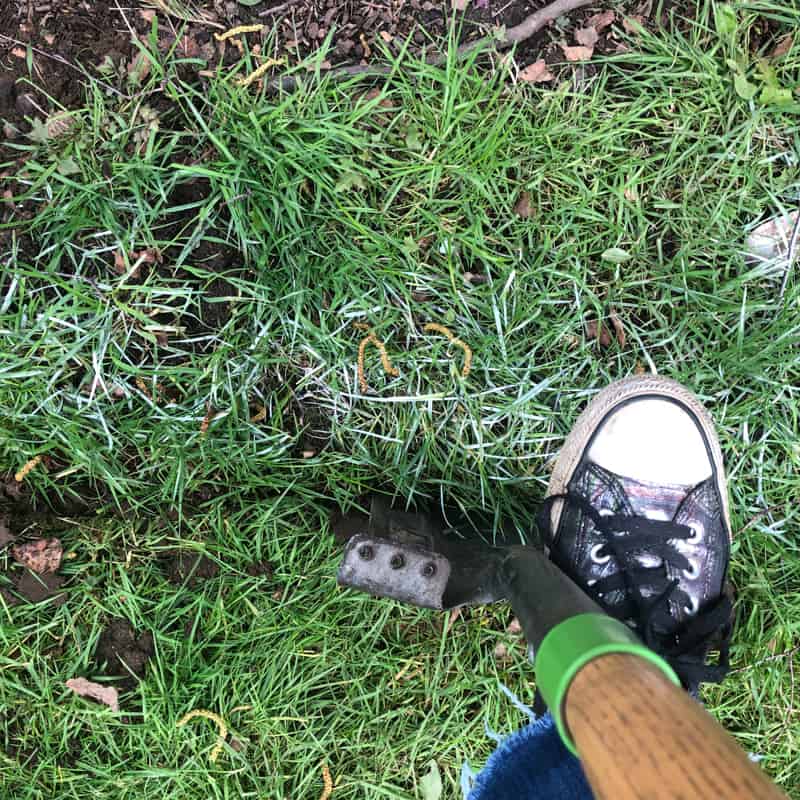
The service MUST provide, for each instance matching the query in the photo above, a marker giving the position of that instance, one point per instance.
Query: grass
(282, 222)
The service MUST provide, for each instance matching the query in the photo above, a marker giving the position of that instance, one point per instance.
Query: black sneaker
(637, 515)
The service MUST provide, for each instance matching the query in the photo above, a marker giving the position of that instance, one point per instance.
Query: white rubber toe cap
(654, 441)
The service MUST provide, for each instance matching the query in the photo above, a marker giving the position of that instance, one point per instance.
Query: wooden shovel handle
(640, 736)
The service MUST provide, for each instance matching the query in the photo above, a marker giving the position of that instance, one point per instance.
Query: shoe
(637, 515)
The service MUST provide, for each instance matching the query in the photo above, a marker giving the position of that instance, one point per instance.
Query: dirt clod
(187, 566)
(123, 653)
(6, 537)
(35, 588)
(260, 569)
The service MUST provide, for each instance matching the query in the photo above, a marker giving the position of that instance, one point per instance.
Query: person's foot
(637, 515)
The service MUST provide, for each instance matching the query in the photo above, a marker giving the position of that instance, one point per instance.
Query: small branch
(519, 33)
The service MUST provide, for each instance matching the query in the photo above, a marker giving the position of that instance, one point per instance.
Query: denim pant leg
(532, 764)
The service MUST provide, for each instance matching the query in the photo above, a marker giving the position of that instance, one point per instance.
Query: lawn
(187, 275)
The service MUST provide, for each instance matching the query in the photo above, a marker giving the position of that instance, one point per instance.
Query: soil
(189, 568)
(260, 569)
(6, 537)
(34, 588)
(48, 42)
(122, 652)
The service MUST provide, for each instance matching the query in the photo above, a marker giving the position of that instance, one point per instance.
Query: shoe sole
(615, 394)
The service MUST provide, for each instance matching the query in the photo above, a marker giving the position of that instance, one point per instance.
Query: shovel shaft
(640, 736)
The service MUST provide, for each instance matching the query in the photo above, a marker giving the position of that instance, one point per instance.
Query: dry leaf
(454, 615)
(514, 627)
(41, 555)
(770, 240)
(119, 262)
(386, 36)
(619, 330)
(631, 194)
(596, 330)
(784, 46)
(536, 72)
(587, 36)
(501, 653)
(151, 255)
(460, 5)
(59, 124)
(522, 208)
(639, 368)
(577, 53)
(601, 21)
(633, 23)
(107, 695)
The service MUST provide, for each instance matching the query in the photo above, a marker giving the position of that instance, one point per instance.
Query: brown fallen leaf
(597, 331)
(151, 255)
(601, 21)
(634, 23)
(514, 627)
(501, 654)
(587, 36)
(522, 208)
(619, 330)
(59, 124)
(536, 72)
(453, 616)
(783, 46)
(577, 53)
(386, 36)
(40, 555)
(119, 262)
(107, 695)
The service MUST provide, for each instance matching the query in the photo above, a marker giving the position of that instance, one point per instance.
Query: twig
(776, 657)
(519, 33)
(277, 9)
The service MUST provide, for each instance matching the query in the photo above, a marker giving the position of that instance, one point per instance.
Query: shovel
(617, 705)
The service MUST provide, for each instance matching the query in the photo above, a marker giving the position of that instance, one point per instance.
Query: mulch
(45, 45)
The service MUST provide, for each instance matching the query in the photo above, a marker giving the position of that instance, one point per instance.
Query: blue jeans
(531, 764)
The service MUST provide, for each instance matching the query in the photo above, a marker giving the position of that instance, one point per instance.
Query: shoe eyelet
(597, 558)
(695, 536)
(693, 572)
(692, 607)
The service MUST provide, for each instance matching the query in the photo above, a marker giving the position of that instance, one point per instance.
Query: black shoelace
(685, 646)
